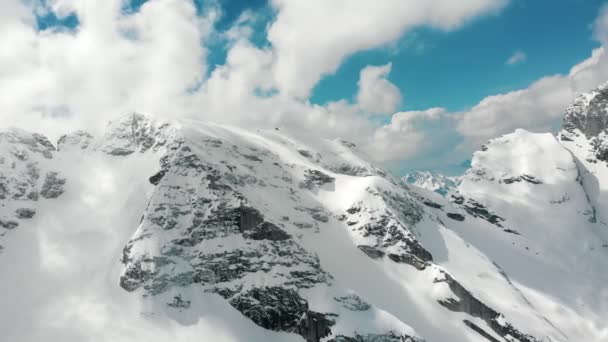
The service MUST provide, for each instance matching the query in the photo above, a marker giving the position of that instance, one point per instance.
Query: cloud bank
(155, 60)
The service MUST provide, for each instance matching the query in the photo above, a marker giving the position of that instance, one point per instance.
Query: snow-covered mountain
(192, 231)
(432, 181)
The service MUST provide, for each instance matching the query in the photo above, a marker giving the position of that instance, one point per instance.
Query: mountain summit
(195, 231)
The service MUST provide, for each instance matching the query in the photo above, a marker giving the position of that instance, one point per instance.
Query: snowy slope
(193, 231)
(432, 181)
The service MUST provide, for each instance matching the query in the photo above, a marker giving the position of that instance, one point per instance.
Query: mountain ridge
(301, 241)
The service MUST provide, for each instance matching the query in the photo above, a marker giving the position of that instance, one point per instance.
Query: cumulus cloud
(112, 62)
(539, 107)
(406, 135)
(517, 57)
(154, 60)
(377, 95)
(312, 37)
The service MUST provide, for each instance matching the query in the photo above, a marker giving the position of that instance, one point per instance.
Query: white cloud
(406, 136)
(153, 61)
(111, 64)
(377, 95)
(540, 107)
(518, 57)
(312, 37)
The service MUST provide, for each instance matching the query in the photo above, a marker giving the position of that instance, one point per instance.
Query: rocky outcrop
(588, 113)
(315, 178)
(78, 139)
(467, 303)
(135, 133)
(53, 184)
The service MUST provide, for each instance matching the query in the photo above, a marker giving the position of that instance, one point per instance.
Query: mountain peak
(432, 181)
(588, 113)
(135, 132)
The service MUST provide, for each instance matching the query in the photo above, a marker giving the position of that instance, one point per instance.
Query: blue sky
(457, 69)
(453, 70)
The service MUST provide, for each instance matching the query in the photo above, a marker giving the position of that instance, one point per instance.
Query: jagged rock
(480, 331)
(371, 252)
(179, 303)
(466, 302)
(273, 308)
(526, 178)
(155, 179)
(432, 181)
(353, 302)
(78, 139)
(455, 216)
(315, 178)
(588, 113)
(432, 204)
(477, 209)
(266, 231)
(8, 224)
(25, 213)
(52, 186)
(314, 326)
(135, 133)
(388, 337)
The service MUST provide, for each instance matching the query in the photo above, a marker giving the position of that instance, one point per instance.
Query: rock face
(135, 133)
(24, 158)
(78, 139)
(52, 186)
(589, 113)
(216, 237)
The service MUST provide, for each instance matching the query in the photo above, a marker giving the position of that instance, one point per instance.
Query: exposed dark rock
(52, 186)
(590, 117)
(315, 178)
(266, 231)
(305, 153)
(249, 218)
(252, 157)
(33, 195)
(134, 133)
(8, 224)
(318, 214)
(469, 304)
(78, 139)
(391, 336)
(179, 303)
(477, 209)
(526, 178)
(432, 204)
(511, 231)
(457, 199)
(155, 179)
(410, 259)
(314, 326)
(25, 213)
(480, 331)
(353, 210)
(371, 252)
(273, 308)
(44, 141)
(456, 216)
(353, 302)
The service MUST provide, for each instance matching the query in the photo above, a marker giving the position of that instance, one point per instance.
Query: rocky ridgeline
(208, 226)
(588, 116)
(215, 237)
